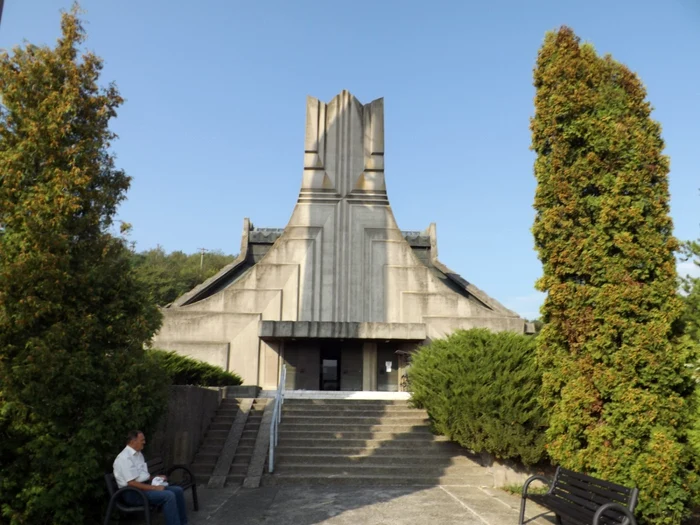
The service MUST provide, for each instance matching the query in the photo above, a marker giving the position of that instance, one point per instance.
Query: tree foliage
(690, 287)
(73, 317)
(184, 370)
(616, 382)
(168, 276)
(481, 390)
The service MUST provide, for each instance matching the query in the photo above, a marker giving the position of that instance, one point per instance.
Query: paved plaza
(311, 505)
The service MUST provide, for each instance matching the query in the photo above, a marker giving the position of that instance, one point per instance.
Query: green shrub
(481, 390)
(187, 371)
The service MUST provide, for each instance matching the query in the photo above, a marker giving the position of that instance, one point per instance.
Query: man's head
(136, 440)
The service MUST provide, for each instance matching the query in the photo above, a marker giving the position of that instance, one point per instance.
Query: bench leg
(110, 508)
(194, 497)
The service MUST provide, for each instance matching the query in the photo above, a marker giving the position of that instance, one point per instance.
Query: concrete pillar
(269, 365)
(369, 365)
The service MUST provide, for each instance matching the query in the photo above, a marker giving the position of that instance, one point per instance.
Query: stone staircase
(244, 451)
(367, 442)
(203, 463)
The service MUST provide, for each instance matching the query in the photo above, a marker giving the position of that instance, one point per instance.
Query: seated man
(130, 469)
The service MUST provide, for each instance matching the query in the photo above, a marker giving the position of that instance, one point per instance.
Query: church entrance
(330, 368)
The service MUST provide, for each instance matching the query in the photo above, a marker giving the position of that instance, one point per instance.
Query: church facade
(340, 295)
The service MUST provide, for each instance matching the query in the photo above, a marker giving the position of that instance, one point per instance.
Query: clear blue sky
(213, 125)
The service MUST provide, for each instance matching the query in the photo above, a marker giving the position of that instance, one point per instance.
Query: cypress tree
(616, 383)
(73, 316)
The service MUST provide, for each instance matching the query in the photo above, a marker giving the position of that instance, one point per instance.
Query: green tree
(168, 276)
(616, 382)
(690, 287)
(73, 316)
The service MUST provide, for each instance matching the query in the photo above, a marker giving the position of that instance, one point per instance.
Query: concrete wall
(178, 437)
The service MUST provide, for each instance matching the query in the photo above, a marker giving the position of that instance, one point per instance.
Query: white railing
(276, 417)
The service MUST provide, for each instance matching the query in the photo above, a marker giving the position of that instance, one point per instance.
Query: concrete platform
(339, 394)
(303, 505)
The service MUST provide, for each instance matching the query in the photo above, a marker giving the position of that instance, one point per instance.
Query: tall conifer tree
(73, 317)
(616, 382)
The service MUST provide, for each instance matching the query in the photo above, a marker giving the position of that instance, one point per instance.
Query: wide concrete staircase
(205, 460)
(367, 442)
(244, 450)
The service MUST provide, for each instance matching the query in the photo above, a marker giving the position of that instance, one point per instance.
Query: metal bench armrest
(122, 490)
(546, 481)
(614, 506)
(114, 500)
(180, 467)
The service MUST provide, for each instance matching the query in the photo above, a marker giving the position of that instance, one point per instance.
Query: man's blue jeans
(172, 499)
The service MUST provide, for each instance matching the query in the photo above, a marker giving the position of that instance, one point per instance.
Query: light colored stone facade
(341, 282)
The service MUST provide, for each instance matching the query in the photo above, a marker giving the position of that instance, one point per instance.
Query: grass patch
(517, 488)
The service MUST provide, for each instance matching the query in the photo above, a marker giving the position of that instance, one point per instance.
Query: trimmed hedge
(481, 390)
(187, 371)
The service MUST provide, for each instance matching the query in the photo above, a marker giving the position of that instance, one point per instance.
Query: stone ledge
(338, 330)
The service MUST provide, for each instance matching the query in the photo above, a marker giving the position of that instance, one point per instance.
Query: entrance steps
(366, 442)
(205, 460)
(244, 450)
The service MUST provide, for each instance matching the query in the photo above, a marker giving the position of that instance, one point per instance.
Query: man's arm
(143, 486)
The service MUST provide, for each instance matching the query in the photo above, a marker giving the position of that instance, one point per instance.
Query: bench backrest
(579, 490)
(155, 466)
(111, 483)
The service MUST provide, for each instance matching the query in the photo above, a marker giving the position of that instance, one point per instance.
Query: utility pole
(201, 258)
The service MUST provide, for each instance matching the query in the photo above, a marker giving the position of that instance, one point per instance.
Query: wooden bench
(578, 499)
(184, 478)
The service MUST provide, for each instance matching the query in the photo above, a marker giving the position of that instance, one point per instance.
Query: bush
(187, 371)
(480, 390)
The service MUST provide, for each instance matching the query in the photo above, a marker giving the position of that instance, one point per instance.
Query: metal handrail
(276, 417)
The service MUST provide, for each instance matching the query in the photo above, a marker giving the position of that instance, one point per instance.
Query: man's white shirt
(129, 466)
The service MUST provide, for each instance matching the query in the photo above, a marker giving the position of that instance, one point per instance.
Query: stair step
(367, 480)
(206, 457)
(234, 479)
(369, 460)
(332, 441)
(352, 417)
(369, 409)
(356, 427)
(349, 434)
(238, 469)
(383, 448)
(398, 470)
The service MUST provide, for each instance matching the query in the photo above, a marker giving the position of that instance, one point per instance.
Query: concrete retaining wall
(190, 410)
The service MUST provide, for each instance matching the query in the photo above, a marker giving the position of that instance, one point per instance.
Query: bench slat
(597, 494)
(595, 481)
(581, 515)
(608, 494)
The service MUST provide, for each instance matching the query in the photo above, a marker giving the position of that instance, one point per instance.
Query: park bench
(578, 499)
(184, 478)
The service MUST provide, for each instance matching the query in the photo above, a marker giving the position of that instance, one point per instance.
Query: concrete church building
(341, 295)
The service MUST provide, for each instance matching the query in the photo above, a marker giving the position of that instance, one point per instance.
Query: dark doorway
(330, 369)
